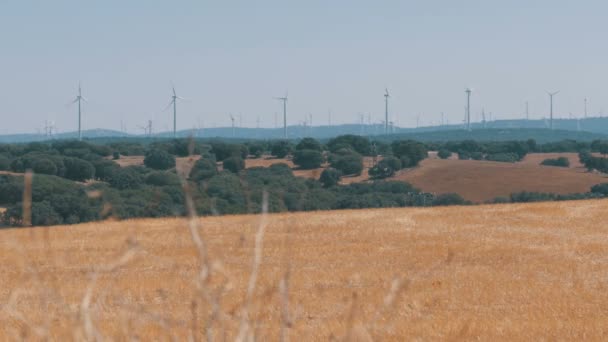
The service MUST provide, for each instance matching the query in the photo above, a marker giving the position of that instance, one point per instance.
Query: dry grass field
(480, 181)
(502, 272)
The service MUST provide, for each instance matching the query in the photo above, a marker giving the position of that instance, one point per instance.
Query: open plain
(509, 272)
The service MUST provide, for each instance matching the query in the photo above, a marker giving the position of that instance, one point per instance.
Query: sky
(233, 57)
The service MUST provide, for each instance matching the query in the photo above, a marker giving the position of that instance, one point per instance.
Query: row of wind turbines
(284, 99)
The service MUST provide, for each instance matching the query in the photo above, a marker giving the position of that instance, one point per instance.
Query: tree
(413, 150)
(358, 143)
(560, 162)
(5, 163)
(386, 167)
(444, 154)
(449, 199)
(308, 159)
(44, 166)
(126, 178)
(348, 164)
(600, 189)
(203, 169)
(78, 170)
(162, 178)
(234, 164)
(281, 148)
(330, 177)
(104, 168)
(309, 144)
(159, 159)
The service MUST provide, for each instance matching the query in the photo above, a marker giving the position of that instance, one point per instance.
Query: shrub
(385, 168)
(162, 178)
(126, 178)
(78, 169)
(104, 168)
(234, 164)
(308, 159)
(159, 159)
(309, 144)
(330, 177)
(357, 143)
(116, 155)
(280, 148)
(5, 163)
(348, 164)
(444, 154)
(413, 150)
(44, 166)
(600, 189)
(203, 169)
(505, 157)
(449, 199)
(561, 162)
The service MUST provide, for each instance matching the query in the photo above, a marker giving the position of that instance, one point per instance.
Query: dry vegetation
(480, 181)
(509, 272)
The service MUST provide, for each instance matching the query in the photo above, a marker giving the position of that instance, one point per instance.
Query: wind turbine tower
(527, 111)
(79, 99)
(386, 123)
(468, 91)
(173, 102)
(585, 107)
(232, 120)
(284, 99)
(551, 107)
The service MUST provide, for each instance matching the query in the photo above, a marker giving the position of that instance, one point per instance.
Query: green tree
(203, 169)
(234, 164)
(281, 148)
(444, 154)
(330, 177)
(308, 159)
(126, 178)
(309, 144)
(348, 164)
(386, 167)
(159, 159)
(78, 170)
(44, 166)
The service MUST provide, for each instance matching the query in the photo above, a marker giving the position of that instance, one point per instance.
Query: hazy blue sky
(235, 56)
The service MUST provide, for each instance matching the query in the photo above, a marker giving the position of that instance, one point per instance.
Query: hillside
(508, 272)
(480, 181)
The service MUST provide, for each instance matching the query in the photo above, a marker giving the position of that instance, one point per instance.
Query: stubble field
(508, 272)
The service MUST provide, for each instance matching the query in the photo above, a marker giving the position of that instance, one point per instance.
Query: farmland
(518, 271)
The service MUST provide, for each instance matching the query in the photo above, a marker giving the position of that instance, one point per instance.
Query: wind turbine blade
(174, 93)
(84, 99)
(75, 100)
(169, 105)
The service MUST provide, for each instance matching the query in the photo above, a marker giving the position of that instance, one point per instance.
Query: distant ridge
(584, 130)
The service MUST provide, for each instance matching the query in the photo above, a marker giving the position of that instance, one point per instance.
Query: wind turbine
(468, 91)
(386, 123)
(232, 119)
(284, 99)
(551, 107)
(173, 102)
(79, 99)
(585, 107)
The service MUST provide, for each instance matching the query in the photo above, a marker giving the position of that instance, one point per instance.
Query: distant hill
(583, 130)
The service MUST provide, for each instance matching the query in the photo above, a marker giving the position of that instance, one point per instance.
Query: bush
(444, 154)
(5, 163)
(507, 157)
(104, 168)
(561, 162)
(203, 169)
(330, 177)
(234, 164)
(385, 168)
(44, 166)
(162, 178)
(126, 178)
(159, 159)
(348, 164)
(357, 143)
(78, 169)
(600, 189)
(449, 199)
(116, 155)
(308, 159)
(309, 144)
(414, 151)
(281, 148)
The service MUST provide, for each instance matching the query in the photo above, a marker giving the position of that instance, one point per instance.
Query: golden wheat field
(500, 272)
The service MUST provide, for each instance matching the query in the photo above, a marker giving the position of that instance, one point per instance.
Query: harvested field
(506, 272)
(480, 181)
